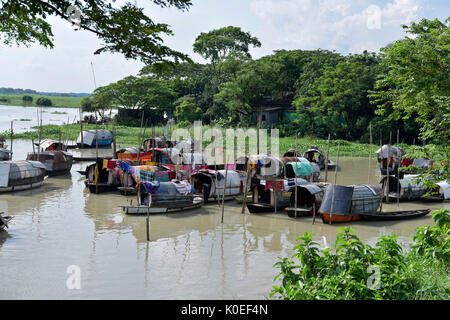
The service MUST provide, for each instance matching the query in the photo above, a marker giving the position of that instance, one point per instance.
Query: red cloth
(172, 175)
(269, 184)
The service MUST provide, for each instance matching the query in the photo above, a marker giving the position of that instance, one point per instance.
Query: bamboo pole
(12, 134)
(40, 137)
(314, 213)
(334, 188)
(370, 154)
(398, 170)
(148, 215)
(246, 186)
(295, 171)
(114, 141)
(387, 167)
(81, 130)
(326, 160)
(139, 138)
(224, 189)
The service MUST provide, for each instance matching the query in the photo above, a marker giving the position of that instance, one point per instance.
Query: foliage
(124, 29)
(414, 82)
(44, 102)
(27, 99)
(187, 112)
(348, 273)
(218, 44)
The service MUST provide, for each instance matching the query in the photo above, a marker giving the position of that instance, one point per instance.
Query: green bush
(44, 102)
(347, 273)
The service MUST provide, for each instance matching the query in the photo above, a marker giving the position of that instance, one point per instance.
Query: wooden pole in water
(247, 178)
(314, 212)
(153, 143)
(398, 170)
(12, 133)
(387, 167)
(139, 137)
(114, 141)
(326, 160)
(148, 215)
(334, 188)
(370, 154)
(224, 189)
(40, 137)
(295, 171)
(81, 130)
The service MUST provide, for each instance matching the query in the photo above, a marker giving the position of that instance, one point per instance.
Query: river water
(191, 255)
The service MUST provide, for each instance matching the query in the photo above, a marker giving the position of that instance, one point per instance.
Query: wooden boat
(209, 184)
(100, 179)
(93, 138)
(240, 198)
(310, 155)
(264, 199)
(350, 202)
(406, 188)
(51, 145)
(4, 220)
(164, 197)
(55, 162)
(309, 197)
(395, 215)
(21, 175)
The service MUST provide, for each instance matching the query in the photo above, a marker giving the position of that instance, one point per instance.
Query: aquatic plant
(356, 270)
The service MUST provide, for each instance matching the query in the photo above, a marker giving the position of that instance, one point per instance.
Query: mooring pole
(295, 170)
(370, 154)
(326, 160)
(12, 134)
(334, 188)
(398, 169)
(387, 167)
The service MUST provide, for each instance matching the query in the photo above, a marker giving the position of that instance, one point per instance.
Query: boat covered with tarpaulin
(164, 197)
(210, 184)
(348, 203)
(21, 175)
(409, 187)
(315, 155)
(93, 138)
(309, 199)
(51, 145)
(55, 162)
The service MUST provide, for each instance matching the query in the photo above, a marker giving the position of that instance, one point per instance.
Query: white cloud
(341, 25)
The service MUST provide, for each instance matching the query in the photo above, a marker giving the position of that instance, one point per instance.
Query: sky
(346, 26)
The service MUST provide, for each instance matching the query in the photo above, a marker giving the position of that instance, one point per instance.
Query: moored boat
(55, 162)
(21, 175)
(315, 155)
(100, 178)
(93, 138)
(309, 199)
(164, 197)
(210, 184)
(348, 203)
(395, 215)
(407, 188)
(5, 154)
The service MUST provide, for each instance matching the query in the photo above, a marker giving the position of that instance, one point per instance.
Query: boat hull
(100, 188)
(395, 215)
(262, 208)
(22, 187)
(143, 210)
(338, 218)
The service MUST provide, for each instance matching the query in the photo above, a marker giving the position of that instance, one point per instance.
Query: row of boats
(166, 179)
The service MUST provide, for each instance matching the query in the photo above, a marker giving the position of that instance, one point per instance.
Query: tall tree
(124, 29)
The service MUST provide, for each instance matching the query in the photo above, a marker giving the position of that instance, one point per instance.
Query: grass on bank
(57, 101)
(128, 136)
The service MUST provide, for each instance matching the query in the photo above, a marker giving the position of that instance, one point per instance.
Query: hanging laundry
(151, 187)
(183, 187)
(270, 184)
(105, 164)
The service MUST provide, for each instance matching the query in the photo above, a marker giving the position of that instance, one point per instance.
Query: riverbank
(57, 101)
(128, 136)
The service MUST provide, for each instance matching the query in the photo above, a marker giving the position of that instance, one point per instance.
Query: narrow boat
(350, 202)
(4, 220)
(310, 155)
(209, 184)
(395, 215)
(55, 162)
(93, 138)
(21, 175)
(164, 197)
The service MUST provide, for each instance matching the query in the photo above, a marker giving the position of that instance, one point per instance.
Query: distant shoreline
(57, 101)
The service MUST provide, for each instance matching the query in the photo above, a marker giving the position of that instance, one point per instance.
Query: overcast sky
(347, 26)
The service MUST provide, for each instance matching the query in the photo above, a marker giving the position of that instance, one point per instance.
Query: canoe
(395, 215)
(161, 209)
(301, 212)
(261, 208)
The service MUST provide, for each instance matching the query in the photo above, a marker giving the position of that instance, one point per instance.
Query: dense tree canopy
(124, 29)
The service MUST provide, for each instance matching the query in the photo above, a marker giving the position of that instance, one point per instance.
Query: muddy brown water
(191, 255)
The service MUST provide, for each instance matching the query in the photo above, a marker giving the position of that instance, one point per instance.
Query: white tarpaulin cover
(445, 186)
(4, 174)
(393, 151)
(16, 170)
(89, 136)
